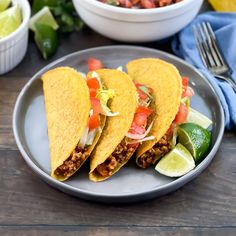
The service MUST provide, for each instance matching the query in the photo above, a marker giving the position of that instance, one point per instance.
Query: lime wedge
(44, 16)
(198, 118)
(196, 139)
(176, 163)
(10, 20)
(46, 39)
(4, 4)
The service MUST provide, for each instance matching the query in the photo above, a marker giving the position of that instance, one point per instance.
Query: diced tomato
(185, 82)
(137, 84)
(126, 3)
(144, 110)
(93, 83)
(170, 130)
(136, 129)
(140, 119)
(93, 92)
(94, 64)
(184, 85)
(96, 105)
(142, 95)
(93, 121)
(148, 4)
(182, 114)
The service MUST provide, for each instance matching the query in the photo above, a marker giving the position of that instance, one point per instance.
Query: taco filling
(138, 131)
(99, 96)
(167, 142)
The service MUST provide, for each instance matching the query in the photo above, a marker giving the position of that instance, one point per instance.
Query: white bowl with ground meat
(137, 25)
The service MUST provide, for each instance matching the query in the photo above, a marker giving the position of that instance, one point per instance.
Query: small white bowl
(137, 25)
(14, 46)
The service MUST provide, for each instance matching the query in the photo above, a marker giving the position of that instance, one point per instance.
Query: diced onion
(120, 68)
(174, 137)
(95, 75)
(141, 140)
(140, 136)
(83, 139)
(83, 74)
(91, 136)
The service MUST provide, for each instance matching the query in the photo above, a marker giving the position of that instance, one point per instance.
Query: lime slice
(176, 163)
(196, 139)
(44, 16)
(198, 118)
(10, 20)
(46, 39)
(4, 4)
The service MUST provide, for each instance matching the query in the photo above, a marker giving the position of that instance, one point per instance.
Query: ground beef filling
(156, 152)
(120, 155)
(72, 163)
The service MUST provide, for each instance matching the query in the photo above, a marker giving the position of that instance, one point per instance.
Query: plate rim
(86, 194)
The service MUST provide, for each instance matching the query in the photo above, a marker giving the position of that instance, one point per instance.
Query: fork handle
(229, 80)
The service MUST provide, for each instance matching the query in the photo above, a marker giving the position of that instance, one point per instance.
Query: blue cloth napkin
(184, 45)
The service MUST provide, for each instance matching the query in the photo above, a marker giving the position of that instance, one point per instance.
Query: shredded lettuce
(186, 100)
(104, 95)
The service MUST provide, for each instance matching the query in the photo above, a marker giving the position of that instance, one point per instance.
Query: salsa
(140, 4)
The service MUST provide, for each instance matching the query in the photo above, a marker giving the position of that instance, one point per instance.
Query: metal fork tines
(211, 54)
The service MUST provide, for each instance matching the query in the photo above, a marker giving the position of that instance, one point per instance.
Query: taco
(166, 83)
(75, 118)
(123, 133)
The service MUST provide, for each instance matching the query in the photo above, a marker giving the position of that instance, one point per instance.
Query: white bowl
(137, 25)
(14, 46)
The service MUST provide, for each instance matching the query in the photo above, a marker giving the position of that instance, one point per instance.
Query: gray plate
(130, 184)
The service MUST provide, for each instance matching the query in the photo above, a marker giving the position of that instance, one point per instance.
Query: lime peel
(195, 138)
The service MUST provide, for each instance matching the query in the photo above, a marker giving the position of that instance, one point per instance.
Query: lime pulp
(4, 4)
(44, 16)
(176, 163)
(198, 118)
(10, 20)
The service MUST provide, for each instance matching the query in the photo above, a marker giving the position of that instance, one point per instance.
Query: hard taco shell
(67, 105)
(124, 102)
(166, 83)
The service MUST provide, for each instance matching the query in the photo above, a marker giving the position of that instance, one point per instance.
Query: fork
(210, 53)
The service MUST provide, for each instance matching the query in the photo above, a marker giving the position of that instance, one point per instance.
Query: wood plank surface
(114, 231)
(28, 200)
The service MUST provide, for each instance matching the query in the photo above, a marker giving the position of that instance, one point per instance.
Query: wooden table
(205, 206)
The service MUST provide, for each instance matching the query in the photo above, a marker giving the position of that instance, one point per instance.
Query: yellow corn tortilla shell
(67, 105)
(166, 83)
(124, 102)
